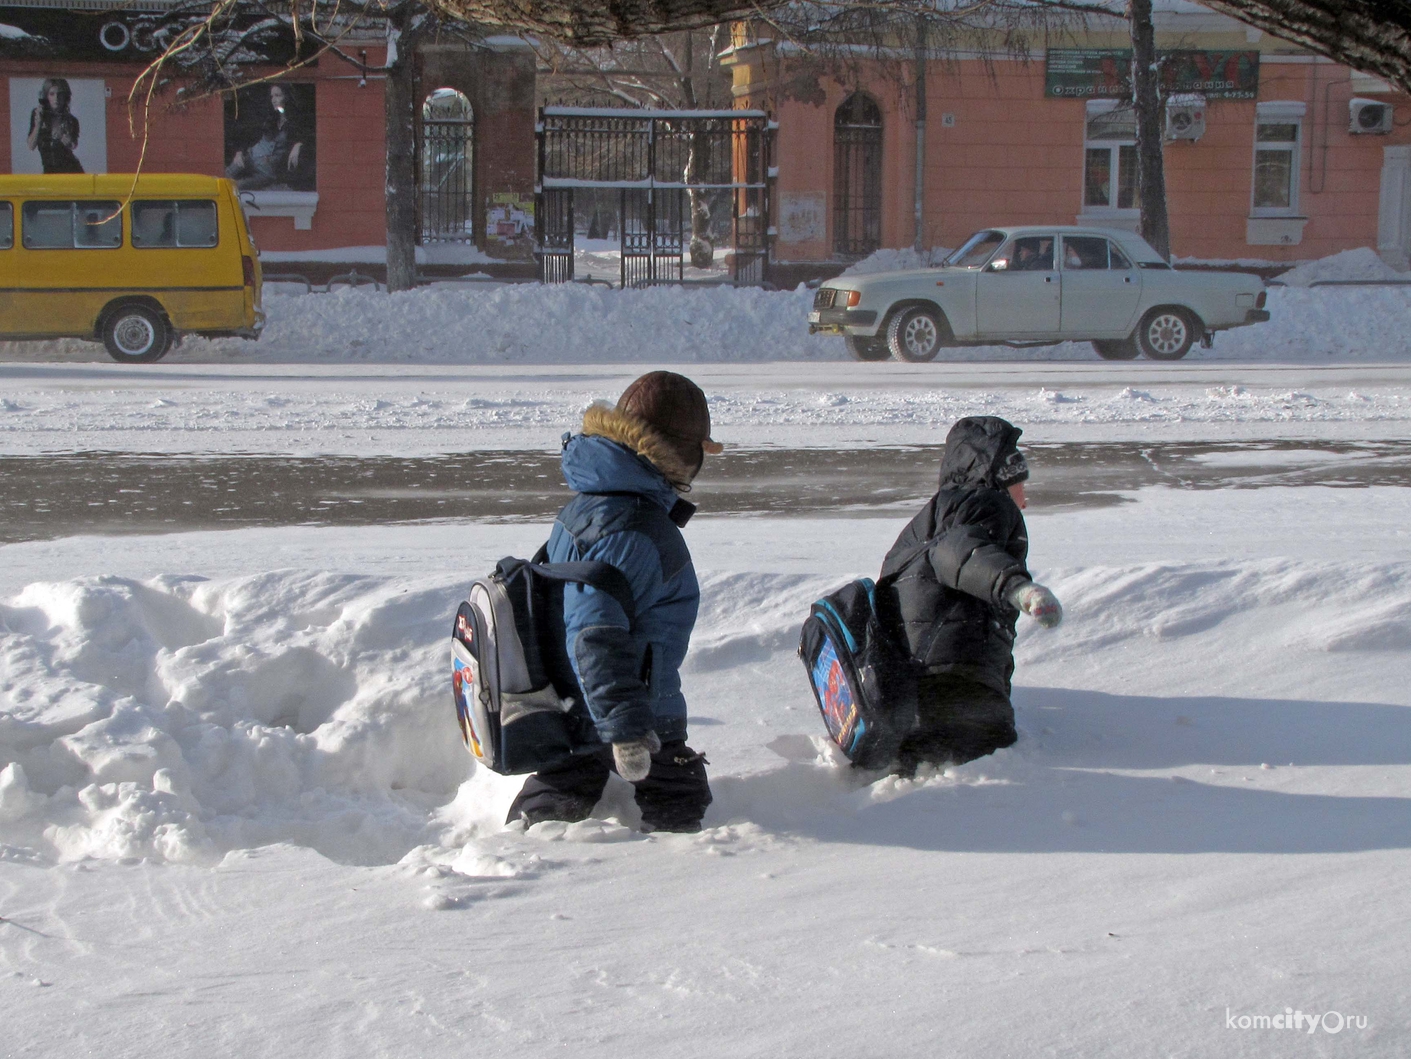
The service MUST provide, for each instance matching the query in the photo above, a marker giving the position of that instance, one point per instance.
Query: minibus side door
(7, 268)
(72, 261)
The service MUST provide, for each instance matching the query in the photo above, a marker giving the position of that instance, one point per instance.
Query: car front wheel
(915, 335)
(1166, 334)
(863, 348)
(1116, 349)
(135, 334)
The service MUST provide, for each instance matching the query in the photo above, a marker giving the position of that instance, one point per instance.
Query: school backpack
(863, 682)
(514, 715)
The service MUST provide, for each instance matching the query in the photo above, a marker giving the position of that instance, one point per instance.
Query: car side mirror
(999, 264)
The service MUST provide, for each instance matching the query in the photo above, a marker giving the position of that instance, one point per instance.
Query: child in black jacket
(954, 604)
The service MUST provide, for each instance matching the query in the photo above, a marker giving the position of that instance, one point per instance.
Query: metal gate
(553, 227)
(447, 199)
(656, 159)
(857, 177)
(653, 236)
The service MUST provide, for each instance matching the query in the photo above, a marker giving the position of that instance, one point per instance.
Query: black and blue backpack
(863, 682)
(515, 706)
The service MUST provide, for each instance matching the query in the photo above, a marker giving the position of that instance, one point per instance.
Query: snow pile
(1360, 264)
(529, 323)
(182, 717)
(897, 260)
(513, 324)
(179, 718)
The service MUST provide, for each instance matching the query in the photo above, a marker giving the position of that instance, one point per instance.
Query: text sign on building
(1105, 73)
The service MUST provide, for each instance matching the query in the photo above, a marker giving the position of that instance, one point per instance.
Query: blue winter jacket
(626, 513)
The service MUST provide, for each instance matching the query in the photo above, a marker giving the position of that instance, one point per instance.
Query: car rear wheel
(135, 334)
(916, 335)
(863, 348)
(1116, 348)
(1166, 334)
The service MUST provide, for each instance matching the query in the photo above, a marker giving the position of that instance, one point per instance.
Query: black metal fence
(657, 160)
(447, 183)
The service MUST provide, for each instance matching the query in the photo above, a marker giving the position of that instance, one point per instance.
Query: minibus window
(7, 226)
(66, 225)
(187, 223)
(48, 225)
(98, 225)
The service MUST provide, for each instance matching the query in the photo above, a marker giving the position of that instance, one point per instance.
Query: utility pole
(919, 206)
(1146, 101)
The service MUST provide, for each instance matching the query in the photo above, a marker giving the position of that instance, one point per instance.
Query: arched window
(447, 172)
(857, 177)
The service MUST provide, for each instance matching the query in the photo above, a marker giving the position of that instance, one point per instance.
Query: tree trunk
(702, 249)
(400, 99)
(1146, 100)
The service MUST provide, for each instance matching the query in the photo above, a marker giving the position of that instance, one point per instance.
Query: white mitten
(634, 758)
(1037, 602)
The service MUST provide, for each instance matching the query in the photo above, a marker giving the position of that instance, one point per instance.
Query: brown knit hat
(676, 408)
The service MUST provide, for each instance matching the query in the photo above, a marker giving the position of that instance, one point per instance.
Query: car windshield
(976, 251)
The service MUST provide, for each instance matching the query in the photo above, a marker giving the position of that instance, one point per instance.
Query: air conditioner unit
(1369, 116)
(1185, 117)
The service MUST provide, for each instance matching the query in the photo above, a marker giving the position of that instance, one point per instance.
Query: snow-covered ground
(237, 818)
(391, 409)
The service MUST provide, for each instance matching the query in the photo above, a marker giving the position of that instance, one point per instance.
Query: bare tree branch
(1369, 35)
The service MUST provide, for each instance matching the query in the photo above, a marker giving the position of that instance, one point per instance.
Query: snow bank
(1360, 264)
(177, 719)
(528, 323)
(488, 323)
(895, 260)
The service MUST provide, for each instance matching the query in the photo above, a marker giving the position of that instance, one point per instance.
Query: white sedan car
(1036, 286)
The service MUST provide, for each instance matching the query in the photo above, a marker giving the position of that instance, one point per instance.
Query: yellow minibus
(133, 267)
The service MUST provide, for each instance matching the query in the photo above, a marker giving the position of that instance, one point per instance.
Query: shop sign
(117, 35)
(1105, 73)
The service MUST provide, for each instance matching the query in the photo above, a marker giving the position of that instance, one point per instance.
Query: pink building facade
(1286, 157)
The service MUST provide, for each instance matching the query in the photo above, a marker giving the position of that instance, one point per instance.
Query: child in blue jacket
(629, 466)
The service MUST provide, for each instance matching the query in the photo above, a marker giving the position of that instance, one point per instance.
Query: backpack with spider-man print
(863, 682)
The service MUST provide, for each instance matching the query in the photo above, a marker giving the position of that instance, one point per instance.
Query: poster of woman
(58, 125)
(270, 138)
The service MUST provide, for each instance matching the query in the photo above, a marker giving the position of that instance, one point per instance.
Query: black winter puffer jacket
(946, 602)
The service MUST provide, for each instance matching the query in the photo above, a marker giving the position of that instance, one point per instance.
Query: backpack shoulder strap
(593, 572)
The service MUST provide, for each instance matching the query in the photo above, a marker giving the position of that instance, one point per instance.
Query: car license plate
(813, 317)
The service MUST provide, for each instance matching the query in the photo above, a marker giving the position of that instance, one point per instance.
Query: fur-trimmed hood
(604, 421)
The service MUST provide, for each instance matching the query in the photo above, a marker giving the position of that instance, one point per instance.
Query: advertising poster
(510, 217)
(58, 125)
(271, 138)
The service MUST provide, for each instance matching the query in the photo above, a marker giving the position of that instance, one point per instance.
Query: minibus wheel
(135, 334)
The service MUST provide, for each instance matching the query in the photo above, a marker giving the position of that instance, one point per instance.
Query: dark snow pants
(673, 797)
(957, 720)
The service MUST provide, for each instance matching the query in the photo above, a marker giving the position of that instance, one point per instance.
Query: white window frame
(1095, 108)
(1279, 112)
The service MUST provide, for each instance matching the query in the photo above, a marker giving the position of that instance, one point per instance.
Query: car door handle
(1048, 279)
